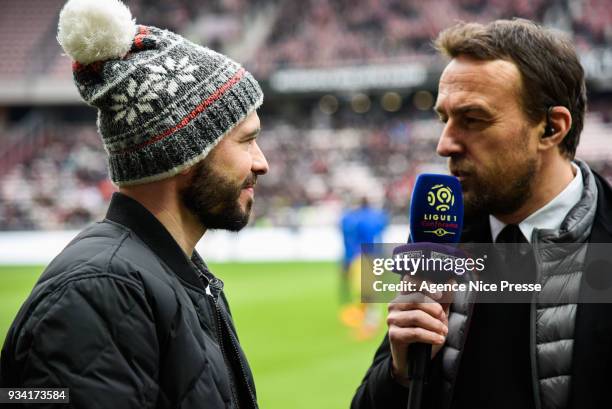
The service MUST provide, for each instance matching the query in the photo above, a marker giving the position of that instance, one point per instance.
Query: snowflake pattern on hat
(171, 72)
(136, 98)
(164, 104)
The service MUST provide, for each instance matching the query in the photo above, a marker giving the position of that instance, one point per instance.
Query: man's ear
(556, 126)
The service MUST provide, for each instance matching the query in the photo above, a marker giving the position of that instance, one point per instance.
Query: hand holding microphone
(422, 316)
(414, 322)
(418, 323)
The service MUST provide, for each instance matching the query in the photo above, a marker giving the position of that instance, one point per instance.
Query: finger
(413, 298)
(417, 318)
(435, 295)
(423, 287)
(432, 308)
(407, 336)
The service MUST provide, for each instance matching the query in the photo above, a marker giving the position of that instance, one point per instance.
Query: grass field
(287, 320)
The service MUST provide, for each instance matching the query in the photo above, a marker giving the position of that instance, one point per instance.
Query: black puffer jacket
(125, 320)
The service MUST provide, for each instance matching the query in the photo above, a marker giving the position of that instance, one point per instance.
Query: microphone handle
(419, 355)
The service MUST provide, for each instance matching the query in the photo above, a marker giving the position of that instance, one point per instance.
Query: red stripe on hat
(191, 116)
(142, 32)
(77, 66)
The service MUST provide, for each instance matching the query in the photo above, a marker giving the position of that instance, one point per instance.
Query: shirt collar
(551, 215)
(133, 215)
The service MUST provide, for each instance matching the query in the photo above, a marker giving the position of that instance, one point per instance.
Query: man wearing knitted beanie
(128, 315)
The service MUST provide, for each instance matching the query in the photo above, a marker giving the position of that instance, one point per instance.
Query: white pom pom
(95, 30)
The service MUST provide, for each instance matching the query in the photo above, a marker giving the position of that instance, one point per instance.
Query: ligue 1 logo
(436, 209)
(441, 197)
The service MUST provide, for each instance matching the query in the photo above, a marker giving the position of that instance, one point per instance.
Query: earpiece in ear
(549, 130)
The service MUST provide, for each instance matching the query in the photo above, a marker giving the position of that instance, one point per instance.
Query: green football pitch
(287, 320)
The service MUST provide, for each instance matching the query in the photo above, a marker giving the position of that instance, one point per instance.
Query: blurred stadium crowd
(325, 151)
(383, 30)
(269, 34)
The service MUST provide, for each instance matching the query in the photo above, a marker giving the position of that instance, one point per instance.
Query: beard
(500, 189)
(215, 200)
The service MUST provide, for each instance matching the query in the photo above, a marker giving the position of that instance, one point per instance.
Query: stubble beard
(215, 200)
(498, 190)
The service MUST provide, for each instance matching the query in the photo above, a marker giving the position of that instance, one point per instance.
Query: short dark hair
(550, 71)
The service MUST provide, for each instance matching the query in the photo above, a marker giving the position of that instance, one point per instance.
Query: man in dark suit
(513, 100)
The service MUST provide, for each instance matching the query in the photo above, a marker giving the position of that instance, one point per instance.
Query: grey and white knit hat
(163, 102)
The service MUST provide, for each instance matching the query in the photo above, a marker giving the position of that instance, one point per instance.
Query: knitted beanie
(163, 102)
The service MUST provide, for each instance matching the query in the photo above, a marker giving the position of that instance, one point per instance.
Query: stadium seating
(53, 172)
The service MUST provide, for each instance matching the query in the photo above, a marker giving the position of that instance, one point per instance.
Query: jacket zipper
(220, 320)
(242, 369)
(533, 344)
(469, 314)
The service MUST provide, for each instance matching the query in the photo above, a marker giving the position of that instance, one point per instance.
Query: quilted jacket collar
(131, 214)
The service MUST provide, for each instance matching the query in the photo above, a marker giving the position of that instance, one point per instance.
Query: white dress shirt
(551, 215)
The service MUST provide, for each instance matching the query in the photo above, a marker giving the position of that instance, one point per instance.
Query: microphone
(436, 221)
(436, 209)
